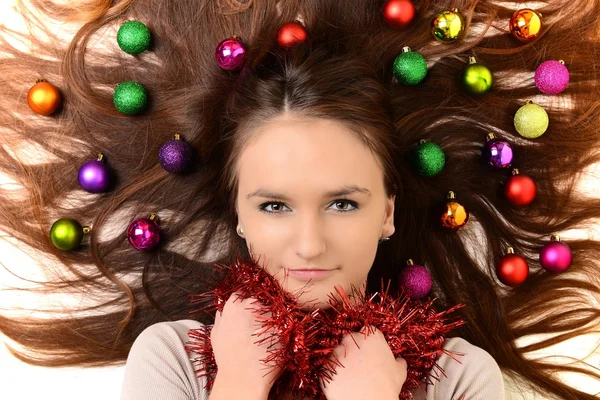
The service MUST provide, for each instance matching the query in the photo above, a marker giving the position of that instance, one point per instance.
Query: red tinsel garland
(413, 330)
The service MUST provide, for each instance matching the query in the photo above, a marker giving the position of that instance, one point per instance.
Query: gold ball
(43, 98)
(447, 26)
(525, 24)
(455, 216)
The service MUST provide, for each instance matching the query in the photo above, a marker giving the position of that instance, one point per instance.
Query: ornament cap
(510, 250)
(472, 60)
(451, 195)
(153, 217)
(87, 230)
(177, 136)
(422, 141)
(406, 49)
(490, 136)
(410, 262)
(100, 157)
(455, 10)
(529, 101)
(41, 80)
(562, 62)
(555, 238)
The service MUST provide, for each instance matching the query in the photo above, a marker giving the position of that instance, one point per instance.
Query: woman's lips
(310, 274)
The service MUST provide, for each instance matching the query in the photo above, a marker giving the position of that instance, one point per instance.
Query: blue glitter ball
(175, 156)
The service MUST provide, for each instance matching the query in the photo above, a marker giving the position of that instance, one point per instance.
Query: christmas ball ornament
(455, 216)
(398, 13)
(552, 77)
(512, 269)
(428, 158)
(410, 68)
(415, 280)
(290, 34)
(556, 256)
(95, 176)
(531, 120)
(130, 98)
(44, 98)
(134, 37)
(476, 78)
(67, 233)
(144, 233)
(525, 24)
(175, 155)
(447, 26)
(497, 153)
(519, 189)
(230, 54)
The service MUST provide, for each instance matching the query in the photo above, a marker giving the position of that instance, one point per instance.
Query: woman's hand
(369, 371)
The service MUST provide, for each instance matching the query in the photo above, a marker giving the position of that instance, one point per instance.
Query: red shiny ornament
(398, 13)
(290, 34)
(512, 269)
(519, 189)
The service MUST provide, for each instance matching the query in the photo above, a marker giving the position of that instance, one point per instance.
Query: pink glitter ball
(143, 234)
(551, 77)
(230, 54)
(416, 281)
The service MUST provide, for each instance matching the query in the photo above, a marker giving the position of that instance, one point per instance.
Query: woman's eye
(346, 203)
(274, 210)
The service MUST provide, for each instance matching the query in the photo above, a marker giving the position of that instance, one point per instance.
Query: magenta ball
(230, 54)
(551, 77)
(556, 257)
(498, 153)
(143, 234)
(416, 281)
(95, 176)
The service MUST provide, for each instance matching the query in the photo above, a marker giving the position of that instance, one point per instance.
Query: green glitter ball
(130, 98)
(428, 159)
(531, 121)
(66, 234)
(410, 68)
(133, 37)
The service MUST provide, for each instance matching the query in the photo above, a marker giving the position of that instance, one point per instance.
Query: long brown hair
(343, 72)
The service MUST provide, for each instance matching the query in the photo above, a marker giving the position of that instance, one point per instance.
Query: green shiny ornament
(67, 234)
(410, 68)
(428, 158)
(130, 98)
(531, 120)
(476, 78)
(447, 26)
(134, 37)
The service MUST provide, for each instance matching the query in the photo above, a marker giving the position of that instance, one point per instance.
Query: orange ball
(525, 24)
(455, 216)
(43, 97)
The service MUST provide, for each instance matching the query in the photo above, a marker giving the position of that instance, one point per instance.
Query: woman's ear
(388, 228)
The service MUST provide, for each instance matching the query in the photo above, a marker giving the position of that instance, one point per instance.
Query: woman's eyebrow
(344, 190)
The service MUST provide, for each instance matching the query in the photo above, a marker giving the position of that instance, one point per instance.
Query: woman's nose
(310, 238)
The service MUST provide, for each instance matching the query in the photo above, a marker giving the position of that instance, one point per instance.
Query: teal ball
(531, 121)
(130, 98)
(134, 37)
(410, 68)
(428, 159)
(66, 234)
(477, 79)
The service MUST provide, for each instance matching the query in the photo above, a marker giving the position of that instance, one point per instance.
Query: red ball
(291, 34)
(512, 270)
(398, 13)
(520, 190)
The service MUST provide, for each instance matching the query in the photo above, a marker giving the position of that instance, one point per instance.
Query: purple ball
(230, 54)
(551, 77)
(95, 176)
(556, 257)
(498, 153)
(416, 281)
(175, 156)
(143, 234)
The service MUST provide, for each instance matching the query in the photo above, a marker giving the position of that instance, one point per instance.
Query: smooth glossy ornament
(175, 155)
(520, 190)
(552, 77)
(556, 256)
(134, 37)
(497, 152)
(144, 233)
(95, 176)
(130, 98)
(476, 78)
(415, 280)
(290, 34)
(447, 26)
(44, 98)
(455, 216)
(67, 234)
(428, 158)
(410, 68)
(531, 120)
(398, 13)
(525, 24)
(512, 269)
(230, 54)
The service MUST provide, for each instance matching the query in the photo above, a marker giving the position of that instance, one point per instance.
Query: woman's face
(294, 222)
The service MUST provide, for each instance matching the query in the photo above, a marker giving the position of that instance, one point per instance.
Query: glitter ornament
(428, 159)
(130, 98)
(476, 78)
(175, 155)
(531, 120)
(447, 26)
(290, 34)
(497, 153)
(415, 280)
(410, 68)
(556, 256)
(455, 216)
(520, 190)
(398, 13)
(44, 98)
(67, 233)
(512, 269)
(525, 24)
(134, 37)
(552, 77)
(95, 176)
(230, 54)
(144, 233)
